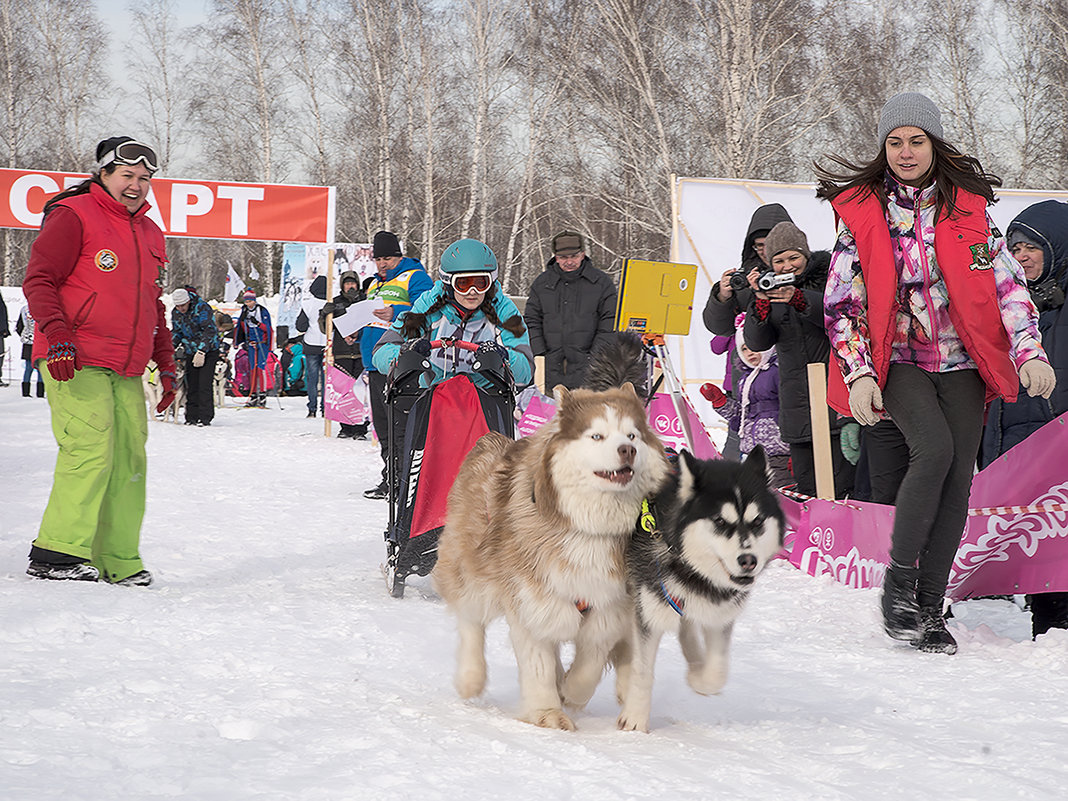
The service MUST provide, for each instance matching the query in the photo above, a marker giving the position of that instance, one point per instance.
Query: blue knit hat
(909, 108)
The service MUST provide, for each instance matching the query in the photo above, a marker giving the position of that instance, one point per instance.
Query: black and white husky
(691, 562)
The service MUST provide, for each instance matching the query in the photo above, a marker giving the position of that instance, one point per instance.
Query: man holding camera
(731, 294)
(786, 311)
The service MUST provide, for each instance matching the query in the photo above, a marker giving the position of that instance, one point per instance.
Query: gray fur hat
(909, 108)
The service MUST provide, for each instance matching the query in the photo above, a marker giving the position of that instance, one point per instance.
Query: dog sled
(444, 423)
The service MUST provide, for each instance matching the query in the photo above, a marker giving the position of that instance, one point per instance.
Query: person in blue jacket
(254, 330)
(1038, 239)
(196, 341)
(468, 304)
(399, 282)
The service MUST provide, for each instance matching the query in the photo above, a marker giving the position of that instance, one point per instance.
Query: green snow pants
(98, 492)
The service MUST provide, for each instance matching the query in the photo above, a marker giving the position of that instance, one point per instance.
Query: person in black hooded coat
(724, 304)
(1038, 239)
(791, 319)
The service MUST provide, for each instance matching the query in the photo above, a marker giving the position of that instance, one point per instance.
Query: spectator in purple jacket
(755, 405)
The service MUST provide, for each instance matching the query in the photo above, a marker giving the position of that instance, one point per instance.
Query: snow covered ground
(268, 662)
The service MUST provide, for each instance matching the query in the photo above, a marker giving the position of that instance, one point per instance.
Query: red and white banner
(202, 209)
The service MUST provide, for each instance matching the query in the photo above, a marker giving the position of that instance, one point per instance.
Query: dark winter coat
(4, 330)
(1009, 424)
(195, 329)
(796, 330)
(346, 356)
(719, 314)
(567, 315)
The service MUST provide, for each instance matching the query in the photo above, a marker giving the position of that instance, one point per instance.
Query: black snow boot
(901, 614)
(40, 389)
(934, 637)
(25, 389)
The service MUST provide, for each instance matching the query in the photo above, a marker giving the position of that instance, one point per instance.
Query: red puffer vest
(960, 248)
(110, 298)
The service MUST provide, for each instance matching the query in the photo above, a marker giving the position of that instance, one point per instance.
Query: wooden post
(539, 375)
(328, 352)
(821, 430)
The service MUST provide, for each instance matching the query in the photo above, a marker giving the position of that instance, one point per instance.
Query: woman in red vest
(929, 318)
(93, 288)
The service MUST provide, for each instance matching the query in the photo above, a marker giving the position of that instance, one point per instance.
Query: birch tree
(240, 97)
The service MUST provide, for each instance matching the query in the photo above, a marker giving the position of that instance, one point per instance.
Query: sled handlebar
(454, 343)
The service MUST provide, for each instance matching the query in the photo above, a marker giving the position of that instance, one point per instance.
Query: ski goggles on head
(131, 153)
(472, 282)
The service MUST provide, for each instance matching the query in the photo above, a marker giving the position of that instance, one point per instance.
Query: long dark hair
(80, 188)
(415, 324)
(950, 170)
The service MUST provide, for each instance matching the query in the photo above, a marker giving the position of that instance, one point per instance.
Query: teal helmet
(467, 256)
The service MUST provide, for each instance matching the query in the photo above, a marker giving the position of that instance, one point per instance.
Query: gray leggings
(941, 417)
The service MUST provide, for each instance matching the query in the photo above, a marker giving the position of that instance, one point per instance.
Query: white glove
(198, 359)
(1038, 378)
(864, 398)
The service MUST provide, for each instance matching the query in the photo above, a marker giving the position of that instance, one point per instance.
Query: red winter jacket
(98, 269)
(974, 308)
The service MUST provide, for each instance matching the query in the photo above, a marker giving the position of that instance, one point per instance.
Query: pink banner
(665, 421)
(1015, 542)
(846, 540)
(339, 401)
(539, 411)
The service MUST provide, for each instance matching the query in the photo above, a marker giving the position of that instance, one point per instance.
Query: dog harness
(647, 522)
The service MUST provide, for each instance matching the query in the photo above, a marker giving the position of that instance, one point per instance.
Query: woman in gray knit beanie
(928, 318)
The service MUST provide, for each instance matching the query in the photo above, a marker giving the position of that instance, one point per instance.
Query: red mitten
(714, 394)
(166, 378)
(62, 356)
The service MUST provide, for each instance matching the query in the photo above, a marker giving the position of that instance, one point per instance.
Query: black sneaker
(379, 493)
(311, 413)
(79, 571)
(142, 578)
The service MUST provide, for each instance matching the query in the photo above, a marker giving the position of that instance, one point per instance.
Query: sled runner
(443, 425)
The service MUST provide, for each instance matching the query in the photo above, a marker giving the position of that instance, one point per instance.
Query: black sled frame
(406, 556)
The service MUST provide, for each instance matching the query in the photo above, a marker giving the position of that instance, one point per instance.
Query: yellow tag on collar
(647, 520)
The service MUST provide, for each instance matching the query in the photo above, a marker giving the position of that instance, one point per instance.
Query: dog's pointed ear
(756, 465)
(627, 386)
(687, 475)
(561, 394)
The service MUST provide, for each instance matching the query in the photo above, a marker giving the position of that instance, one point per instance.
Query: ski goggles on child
(465, 283)
(131, 153)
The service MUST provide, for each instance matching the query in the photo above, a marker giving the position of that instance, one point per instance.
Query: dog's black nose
(747, 562)
(626, 454)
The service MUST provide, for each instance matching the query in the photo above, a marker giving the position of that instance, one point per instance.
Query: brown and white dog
(536, 531)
